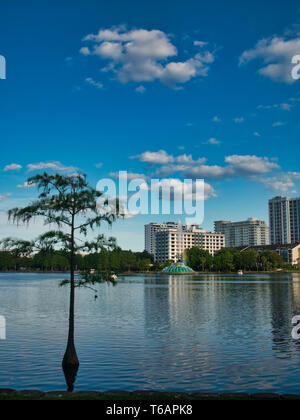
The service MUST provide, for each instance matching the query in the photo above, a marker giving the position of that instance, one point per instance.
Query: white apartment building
(171, 242)
(250, 232)
(150, 231)
(284, 215)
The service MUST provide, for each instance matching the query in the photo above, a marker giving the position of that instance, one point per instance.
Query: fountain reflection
(221, 323)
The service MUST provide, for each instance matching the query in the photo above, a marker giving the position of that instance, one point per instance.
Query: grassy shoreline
(294, 271)
(12, 395)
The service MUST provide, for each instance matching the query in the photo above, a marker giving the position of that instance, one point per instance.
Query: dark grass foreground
(10, 394)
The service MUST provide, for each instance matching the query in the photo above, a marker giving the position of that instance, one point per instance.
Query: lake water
(200, 333)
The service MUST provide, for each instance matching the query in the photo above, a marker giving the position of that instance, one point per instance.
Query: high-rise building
(249, 232)
(150, 231)
(295, 219)
(284, 215)
(170, 240)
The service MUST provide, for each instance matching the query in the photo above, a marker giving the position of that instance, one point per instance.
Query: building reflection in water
(221, 323)
(285, 304)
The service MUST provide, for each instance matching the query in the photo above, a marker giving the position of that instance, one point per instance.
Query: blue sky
(173, 89)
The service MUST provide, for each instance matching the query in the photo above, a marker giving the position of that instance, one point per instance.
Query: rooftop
(270, 247)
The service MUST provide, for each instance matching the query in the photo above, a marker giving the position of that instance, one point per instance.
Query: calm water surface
(202, 333)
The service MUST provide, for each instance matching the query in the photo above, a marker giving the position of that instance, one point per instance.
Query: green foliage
(246, 260)
(271, 260)
(74, 207)
(62, 199)
(108, 260)
(231, 259)
(199, 259)
(7, 261)
(118, 261)
(89, 280)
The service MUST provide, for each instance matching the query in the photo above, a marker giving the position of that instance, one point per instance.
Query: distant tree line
(116, 260)
(120, 261)
(230, 259)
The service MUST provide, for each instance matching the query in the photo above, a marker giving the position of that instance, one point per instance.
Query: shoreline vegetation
(225, 261)
(130, 273)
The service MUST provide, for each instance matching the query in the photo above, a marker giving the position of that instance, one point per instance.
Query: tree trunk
(70, 360)
(70, 357)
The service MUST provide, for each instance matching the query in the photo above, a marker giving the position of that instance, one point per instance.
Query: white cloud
(213, 142)
(178, 73)
(285, 107)
(160, 157)
(129, 175)
(141, 55)
(189, 159)
(170, 169)
(254, 168)
(179, 187)
(282, 182)
(256, 134)
(237, 166)
(170, 163)
(12, 167)
(99, 165)
(110, 50)
(276, 54)
(140, 89)
(239, 120)
(278, 124)
(250, 164)
(282, 107)
(126, 214)
(216, 119)
(93, 83)
(277, 185)
(85, 51)
(26, 185)
(4, 196)
(294, 175)
(53, 166)
(200, 43)
(294, 99)
(207, 172)
(209, 191)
